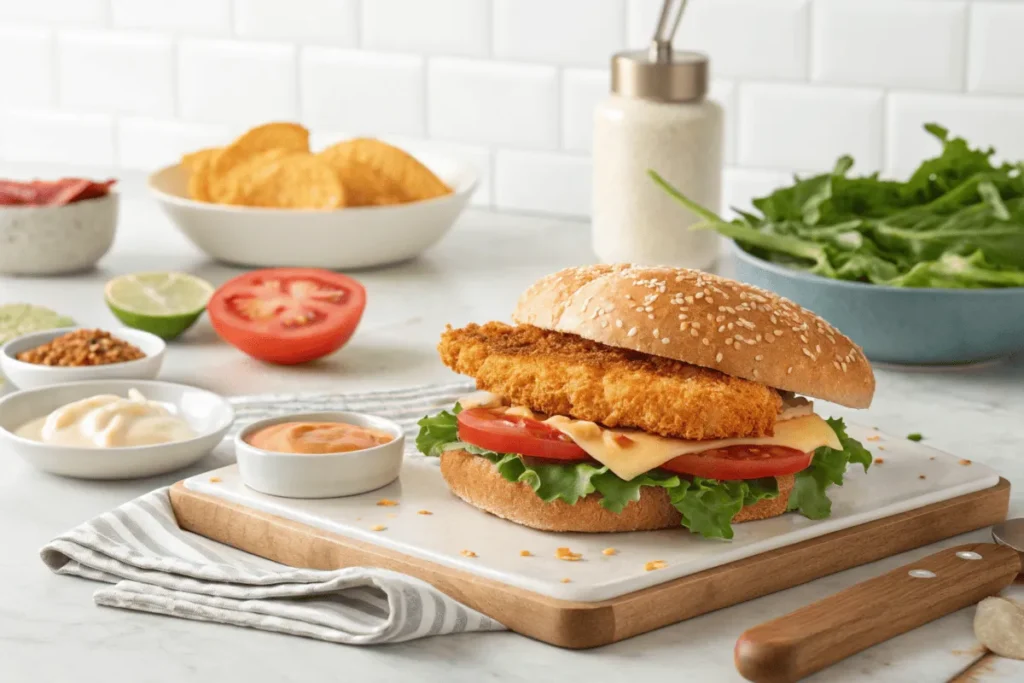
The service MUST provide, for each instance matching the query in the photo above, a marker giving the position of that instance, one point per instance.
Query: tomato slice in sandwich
(741, 462)
(497, 431)
(501, 433)
(287, 315)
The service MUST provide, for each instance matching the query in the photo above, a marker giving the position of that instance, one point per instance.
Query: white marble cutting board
(888, 488)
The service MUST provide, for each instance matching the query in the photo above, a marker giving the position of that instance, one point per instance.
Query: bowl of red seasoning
(79, 354)
(51, 227)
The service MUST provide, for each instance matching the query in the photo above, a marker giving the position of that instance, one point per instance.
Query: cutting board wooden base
(590, 624)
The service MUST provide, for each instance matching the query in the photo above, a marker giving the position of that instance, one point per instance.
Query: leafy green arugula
(956, 222)
(706, 505)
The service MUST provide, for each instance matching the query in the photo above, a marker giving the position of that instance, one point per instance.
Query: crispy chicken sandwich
(628, 398)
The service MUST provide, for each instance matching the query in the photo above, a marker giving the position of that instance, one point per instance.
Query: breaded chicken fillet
(562, 374)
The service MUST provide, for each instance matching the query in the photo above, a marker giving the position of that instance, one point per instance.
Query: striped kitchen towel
(156, 567)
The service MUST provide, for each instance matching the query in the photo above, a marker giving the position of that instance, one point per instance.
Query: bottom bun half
(476, 481)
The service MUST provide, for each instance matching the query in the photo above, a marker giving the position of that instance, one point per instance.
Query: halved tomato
(494, 430)
(287, 315)
(741, 462)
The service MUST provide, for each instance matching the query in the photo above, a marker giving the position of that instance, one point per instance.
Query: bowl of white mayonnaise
(113, 429)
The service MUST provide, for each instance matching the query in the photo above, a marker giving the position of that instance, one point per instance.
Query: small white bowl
(31, 375)
(338, 239)
(52, 240)
(326, 475)
(209, 415)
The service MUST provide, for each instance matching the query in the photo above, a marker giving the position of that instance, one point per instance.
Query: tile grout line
(811, 42)
(55, 67)
(425, 105)
(360, 12)
(965, 80)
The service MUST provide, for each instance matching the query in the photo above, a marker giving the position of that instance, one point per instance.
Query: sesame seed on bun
(705, 320)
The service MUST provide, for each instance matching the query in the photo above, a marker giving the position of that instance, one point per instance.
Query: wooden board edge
(566, 624)
(814, 558)
(578, 625)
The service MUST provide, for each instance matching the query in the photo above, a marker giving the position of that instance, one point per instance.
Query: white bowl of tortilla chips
(267, 200)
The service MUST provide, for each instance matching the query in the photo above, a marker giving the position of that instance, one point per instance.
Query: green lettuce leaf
(827, 468)
(569, 482)
(708, 505)
(437, 431)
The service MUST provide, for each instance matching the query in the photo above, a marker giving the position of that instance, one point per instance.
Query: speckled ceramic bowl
(51, 240)
(900, 325)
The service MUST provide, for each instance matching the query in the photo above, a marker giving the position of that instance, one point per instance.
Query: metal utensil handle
(661, 43)
(822, 633)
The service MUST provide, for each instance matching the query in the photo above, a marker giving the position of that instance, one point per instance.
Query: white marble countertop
(50, 630)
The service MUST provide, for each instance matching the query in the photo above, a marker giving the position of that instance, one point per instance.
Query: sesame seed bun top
(704, 320)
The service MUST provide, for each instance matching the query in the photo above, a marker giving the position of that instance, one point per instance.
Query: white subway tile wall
(57, 137)
(444, 27)
(995, 63)
(31, 48)
(129, 73)
(187, 16)
(541, 182)
(57, 12)
(500, 103)
(583, 32)
(806, 127)
(373, 93)
(330, 22)
(582, 90)
(509, 85)
(236, 81)
(865, 42)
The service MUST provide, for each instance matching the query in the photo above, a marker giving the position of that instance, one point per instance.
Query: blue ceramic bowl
(902, 325)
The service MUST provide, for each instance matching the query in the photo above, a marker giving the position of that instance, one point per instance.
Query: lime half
(19, 319)
(165, 304)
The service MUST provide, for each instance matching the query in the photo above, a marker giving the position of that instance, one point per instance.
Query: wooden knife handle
(822, 633)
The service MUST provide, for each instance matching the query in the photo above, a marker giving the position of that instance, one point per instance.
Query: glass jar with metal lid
(657, 117)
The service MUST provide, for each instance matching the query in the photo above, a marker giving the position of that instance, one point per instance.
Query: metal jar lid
(668, 76)
(661, 73)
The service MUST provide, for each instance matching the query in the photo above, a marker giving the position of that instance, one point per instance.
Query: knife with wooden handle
(822, 633)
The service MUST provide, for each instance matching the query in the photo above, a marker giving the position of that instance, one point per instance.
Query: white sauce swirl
(108, 421)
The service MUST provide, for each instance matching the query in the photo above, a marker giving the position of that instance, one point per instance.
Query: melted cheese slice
(640, 452)
(630, 452)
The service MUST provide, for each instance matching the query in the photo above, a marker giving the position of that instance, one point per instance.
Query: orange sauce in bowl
(317, 438)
